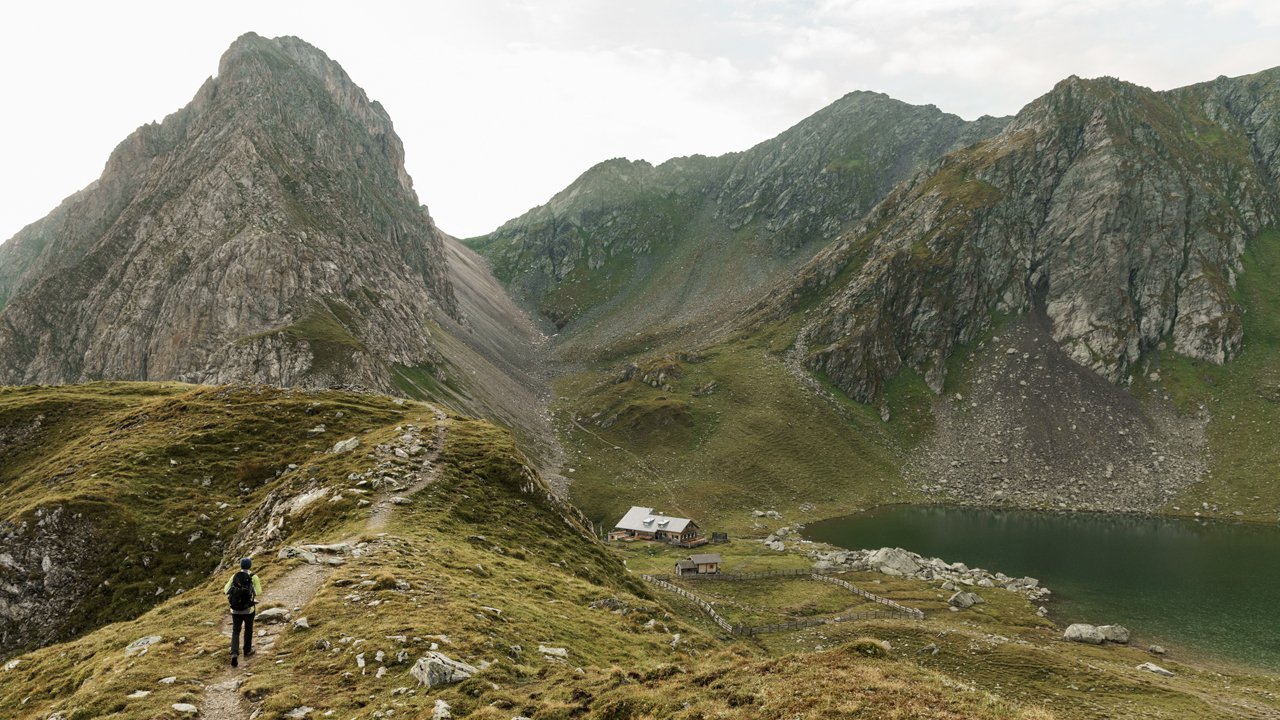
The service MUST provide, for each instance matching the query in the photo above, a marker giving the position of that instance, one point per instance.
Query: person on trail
(242, 592)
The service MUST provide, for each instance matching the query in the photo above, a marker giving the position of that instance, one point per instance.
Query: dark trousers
(238, 620)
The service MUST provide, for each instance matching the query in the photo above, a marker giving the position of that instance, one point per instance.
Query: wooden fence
(706, 606)
(894, 610)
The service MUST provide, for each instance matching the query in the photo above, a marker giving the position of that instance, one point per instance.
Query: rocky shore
(904, 563)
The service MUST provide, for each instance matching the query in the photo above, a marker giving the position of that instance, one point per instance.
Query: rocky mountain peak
(1119, 212)
(267, 231)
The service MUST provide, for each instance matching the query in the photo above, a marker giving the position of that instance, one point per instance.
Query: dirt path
(222, 700)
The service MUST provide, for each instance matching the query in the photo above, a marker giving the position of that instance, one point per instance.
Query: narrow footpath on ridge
(222, 699)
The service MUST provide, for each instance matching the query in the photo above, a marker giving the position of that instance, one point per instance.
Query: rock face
(623, 227)
(267, 231)
(1119, 213)
(46, 561)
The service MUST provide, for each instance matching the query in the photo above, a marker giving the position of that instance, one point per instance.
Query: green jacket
(257, 591)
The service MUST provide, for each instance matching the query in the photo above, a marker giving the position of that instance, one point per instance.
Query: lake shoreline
(1155, 574)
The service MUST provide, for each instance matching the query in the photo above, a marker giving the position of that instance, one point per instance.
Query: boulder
(1156, 650)
(139, 646)
(1114, 633)
(441, 711)
(273, 615)
(893, 561)
(555, 652)
(185, 708)
(964, 600)
(345, 445)
(303, 555)
(436, 668)
(1154, 668)
(1083, 633)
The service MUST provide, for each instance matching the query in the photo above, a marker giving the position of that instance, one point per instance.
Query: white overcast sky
(501, 104)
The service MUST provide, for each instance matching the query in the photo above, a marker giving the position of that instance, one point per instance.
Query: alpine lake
(1211, 588)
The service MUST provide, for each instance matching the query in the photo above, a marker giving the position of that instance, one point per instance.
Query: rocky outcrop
(747, 214)
(1119, 212)
(267, 232)
(46, 567)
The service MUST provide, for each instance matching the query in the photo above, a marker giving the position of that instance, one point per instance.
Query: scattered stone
(138, 694)
(1083, 633)
(1115, 633)
(273, 615)
(931, 649)
(299, 713)
(1156, 650)
(893, 561)
(345, 445)
(301, 624)
(441, 711)
(317, 430)
(400, 500)
(964, 600)
(1154, 668)
(436, 668)
(304, 555)
(169, 680)
(140, 646)
(555, 652)
(186, 708)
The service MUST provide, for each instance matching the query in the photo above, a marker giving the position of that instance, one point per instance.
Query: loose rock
(140, 646)
(1083, 633)
(1154, 668)
(436, 668)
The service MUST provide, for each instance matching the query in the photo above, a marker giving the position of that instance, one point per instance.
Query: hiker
(242, 592)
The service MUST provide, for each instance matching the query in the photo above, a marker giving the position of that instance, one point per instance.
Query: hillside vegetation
(482, 563)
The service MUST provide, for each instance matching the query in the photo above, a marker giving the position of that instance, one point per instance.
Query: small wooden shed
(699, 564)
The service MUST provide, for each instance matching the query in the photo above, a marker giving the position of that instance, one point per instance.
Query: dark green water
(1212, 587)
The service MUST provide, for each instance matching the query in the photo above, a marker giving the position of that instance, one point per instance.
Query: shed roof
(646, 520)
(706, 558)
(686, 564)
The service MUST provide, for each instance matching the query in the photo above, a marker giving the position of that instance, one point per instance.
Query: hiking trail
(222, 699)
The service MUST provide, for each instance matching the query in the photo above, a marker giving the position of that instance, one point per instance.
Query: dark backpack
(241, 593)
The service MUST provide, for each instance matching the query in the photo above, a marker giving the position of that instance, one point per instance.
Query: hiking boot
(249, 652)
(235, 661)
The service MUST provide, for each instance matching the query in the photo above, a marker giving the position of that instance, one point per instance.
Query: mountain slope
(1120, 212)
(267, 231)
(629, 246)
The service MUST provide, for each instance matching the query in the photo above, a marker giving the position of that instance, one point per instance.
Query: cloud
(501, 104)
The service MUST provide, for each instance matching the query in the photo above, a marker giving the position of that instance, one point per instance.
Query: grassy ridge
(161, 475)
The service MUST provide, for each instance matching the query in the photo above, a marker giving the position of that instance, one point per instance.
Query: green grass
(758, 441)
(488, 565)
